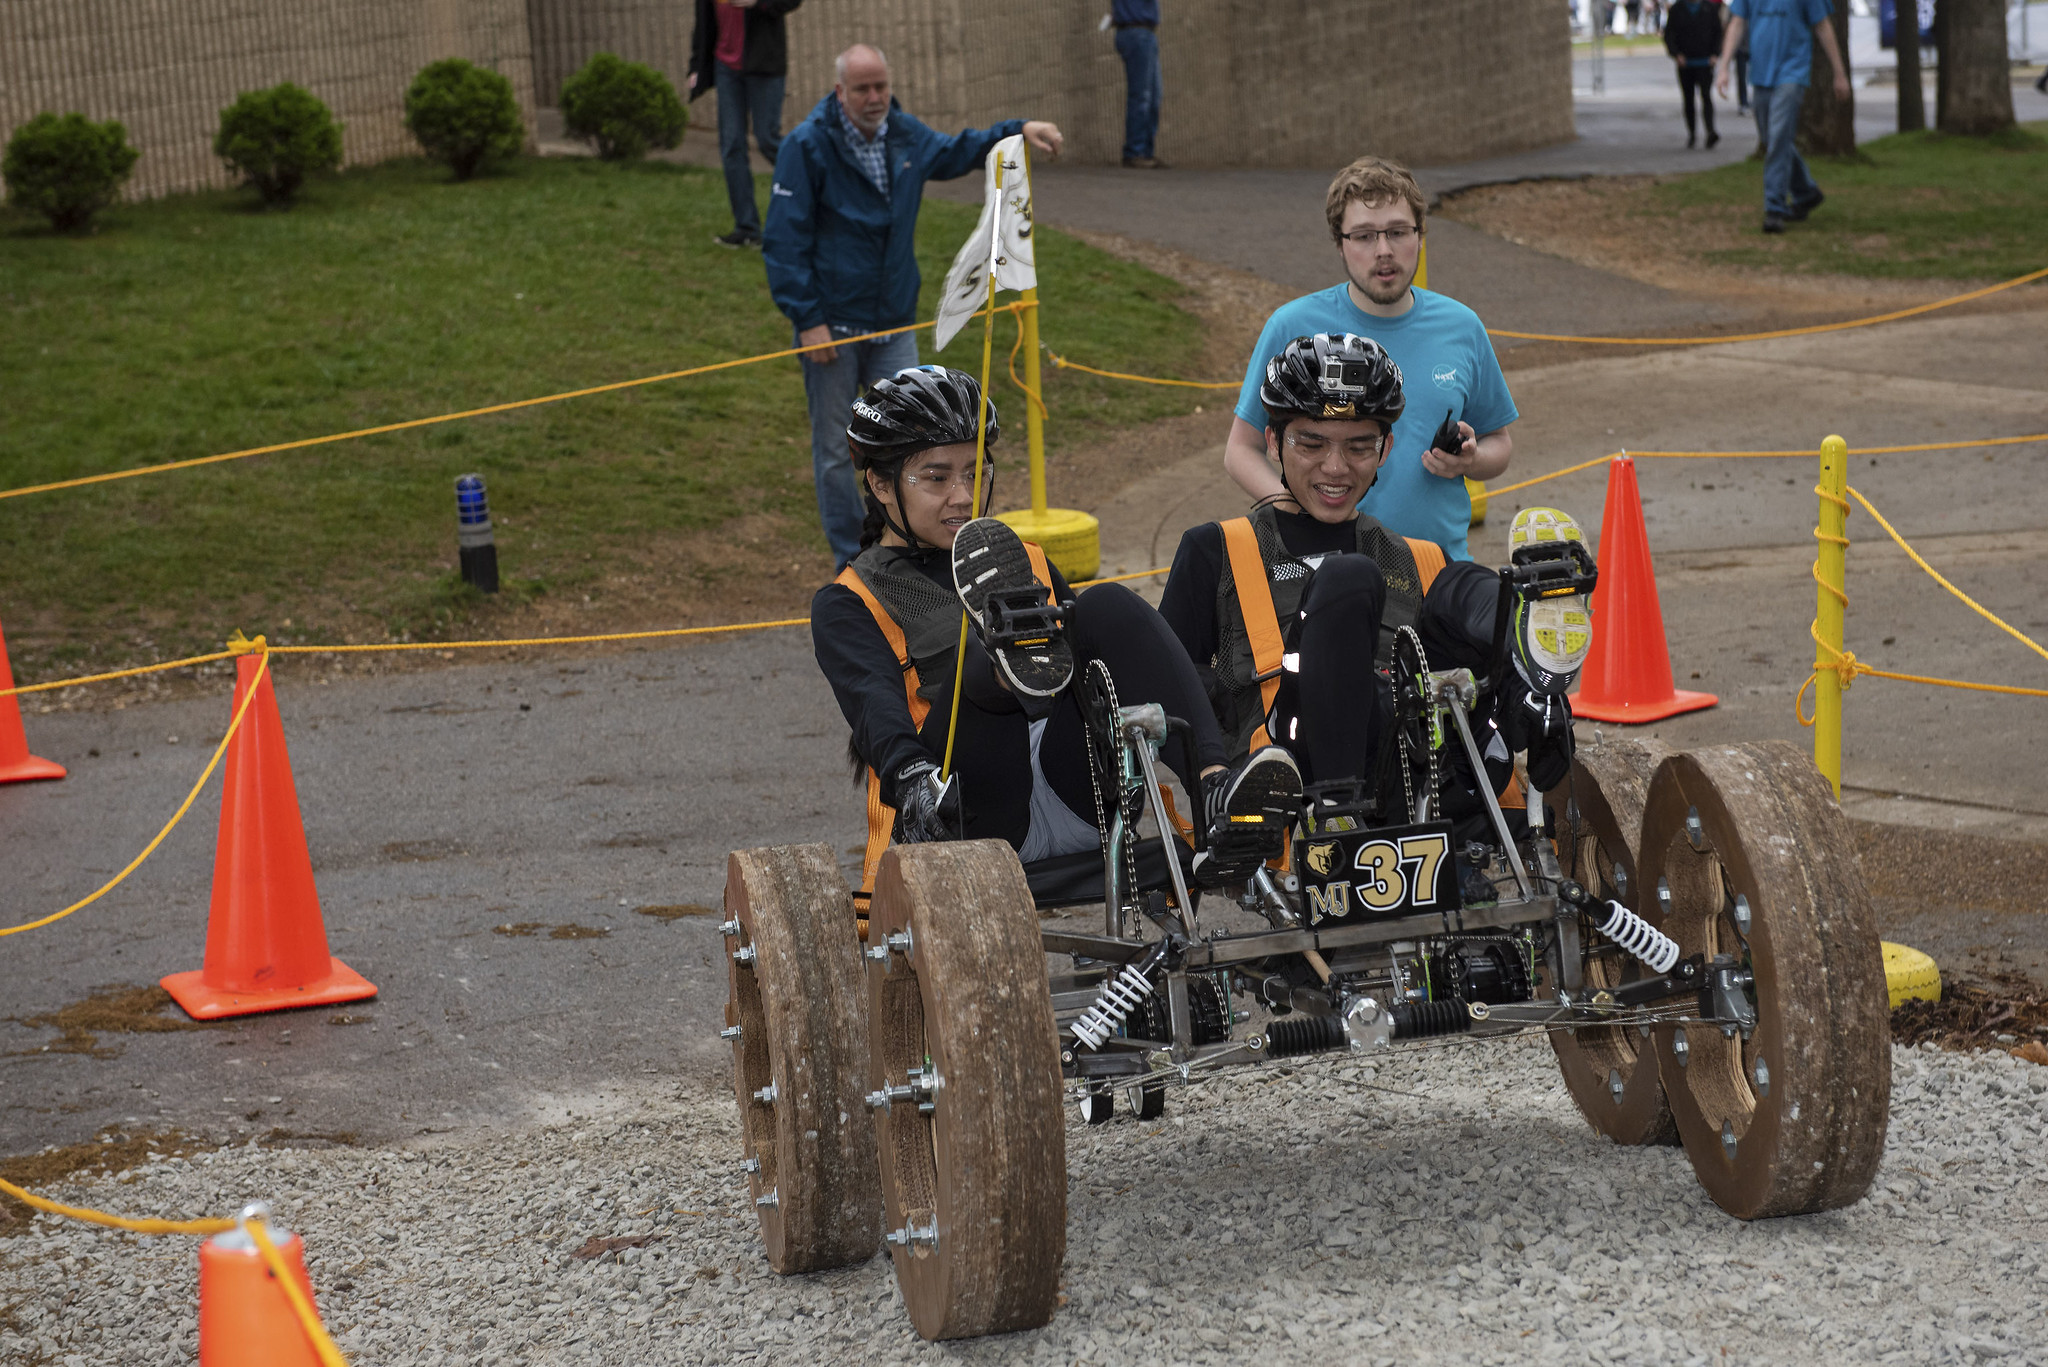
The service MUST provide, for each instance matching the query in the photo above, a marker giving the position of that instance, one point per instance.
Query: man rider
(887, 631)
(1295, 608)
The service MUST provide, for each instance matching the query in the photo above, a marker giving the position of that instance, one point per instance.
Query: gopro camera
(1345, 377)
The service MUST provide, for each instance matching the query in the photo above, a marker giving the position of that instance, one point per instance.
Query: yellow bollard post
(1830, 600)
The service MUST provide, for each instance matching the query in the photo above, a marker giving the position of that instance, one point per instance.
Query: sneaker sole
(989, 558)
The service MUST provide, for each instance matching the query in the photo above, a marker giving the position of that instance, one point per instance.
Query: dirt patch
(118, 1009)
(678, 912)
(110, 1151)
(1977, 904)
(570, 931)
(2007, 1012)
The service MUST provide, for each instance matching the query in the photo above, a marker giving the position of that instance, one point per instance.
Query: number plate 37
(1377, 875)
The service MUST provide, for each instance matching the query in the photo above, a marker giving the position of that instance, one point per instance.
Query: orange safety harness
(881, 816)
(1262, 620)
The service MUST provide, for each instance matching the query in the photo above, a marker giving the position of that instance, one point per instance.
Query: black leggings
(1333, 709)
(992, 748)
(1702, 79)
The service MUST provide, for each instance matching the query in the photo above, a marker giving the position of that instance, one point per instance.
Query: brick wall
(166, 68)
(1248, 82)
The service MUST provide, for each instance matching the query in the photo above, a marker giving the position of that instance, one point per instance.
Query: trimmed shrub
(275, 138)
(624, 108)
(463, 115)
(66, 167)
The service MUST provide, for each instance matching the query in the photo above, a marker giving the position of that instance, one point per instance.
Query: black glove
(927, 809)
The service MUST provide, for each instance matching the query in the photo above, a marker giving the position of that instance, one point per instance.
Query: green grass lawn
(197, 324)
(1913, 205)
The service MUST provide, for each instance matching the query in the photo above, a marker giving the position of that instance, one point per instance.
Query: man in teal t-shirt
(1447, 364)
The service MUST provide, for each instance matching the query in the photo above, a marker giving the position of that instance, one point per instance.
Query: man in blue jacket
(842, 253)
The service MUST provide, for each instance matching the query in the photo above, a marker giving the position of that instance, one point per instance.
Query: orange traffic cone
(266, 949)
(245, 1319)
(1627, 674)
(17, 765)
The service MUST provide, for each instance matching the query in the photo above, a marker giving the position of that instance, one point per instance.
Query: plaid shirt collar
(872, 154)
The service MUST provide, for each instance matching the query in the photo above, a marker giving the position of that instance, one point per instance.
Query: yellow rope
(117, 674)
(1765, 455)
(2008, 628)
(988, 340)
(1062, 363)
(176, 816)
(100, 1217)
(1017, 380)
(316, 1333)
(469, 412)
(1782, 332)
(1848, 668)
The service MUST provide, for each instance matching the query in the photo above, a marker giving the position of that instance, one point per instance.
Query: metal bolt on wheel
(1786, 1114)
(797, 1020)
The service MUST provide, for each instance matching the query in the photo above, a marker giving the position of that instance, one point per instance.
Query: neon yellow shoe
(1535, 526)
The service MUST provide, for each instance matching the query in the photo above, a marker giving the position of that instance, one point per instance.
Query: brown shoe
(1144, 164)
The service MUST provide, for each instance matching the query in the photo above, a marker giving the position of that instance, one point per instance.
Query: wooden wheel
(800, 1055)
(973, 1139)
(1611, 1070)
(1748, 854)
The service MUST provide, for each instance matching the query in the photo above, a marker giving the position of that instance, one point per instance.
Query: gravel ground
(1446, 1205)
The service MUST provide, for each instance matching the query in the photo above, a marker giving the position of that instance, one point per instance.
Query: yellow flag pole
(988, 332)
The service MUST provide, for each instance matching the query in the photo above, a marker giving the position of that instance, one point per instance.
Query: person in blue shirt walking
(1780, 35)
(841, 252)
(1375, 212)
(1137, 42)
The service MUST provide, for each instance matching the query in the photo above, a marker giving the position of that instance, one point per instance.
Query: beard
(1381, 294)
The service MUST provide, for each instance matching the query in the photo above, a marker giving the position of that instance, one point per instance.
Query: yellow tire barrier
(1072, 540)
(1477, 493)
(1910, 975)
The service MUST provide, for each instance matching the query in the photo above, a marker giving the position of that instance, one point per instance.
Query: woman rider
(887, 630)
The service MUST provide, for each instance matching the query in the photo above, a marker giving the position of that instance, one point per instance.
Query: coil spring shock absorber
(1625, 928)
(1121, 994)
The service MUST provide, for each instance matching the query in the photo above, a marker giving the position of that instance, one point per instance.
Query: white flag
(1001, 242)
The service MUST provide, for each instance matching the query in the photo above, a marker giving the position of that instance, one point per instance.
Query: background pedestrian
(1137, 42)
(1781, 34)
(739, 47)
(1692, 35)
(841, 251)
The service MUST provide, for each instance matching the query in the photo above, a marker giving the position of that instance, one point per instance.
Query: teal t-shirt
(1780, 38)
(1447, 366)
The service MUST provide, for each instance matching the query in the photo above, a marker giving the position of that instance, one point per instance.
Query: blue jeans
(744, 99)
(829, 392)
(1788, 185)
(1139, 47)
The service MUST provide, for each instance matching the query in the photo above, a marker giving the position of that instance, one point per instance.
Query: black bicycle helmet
(914, 410)
(1332, 375)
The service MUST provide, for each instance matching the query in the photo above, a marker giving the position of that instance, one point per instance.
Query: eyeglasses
(1312, 446)
(1397, 238)
(941, 481)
